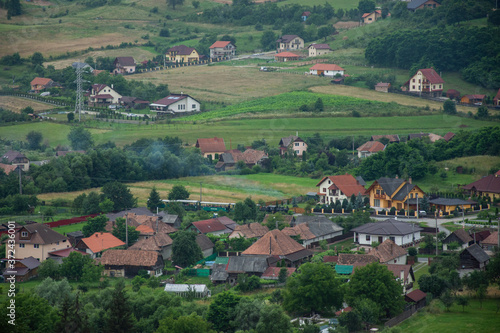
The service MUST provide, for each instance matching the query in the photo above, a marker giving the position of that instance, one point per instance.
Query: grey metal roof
(361, 181)
(389, 185)
(75, 234)
(179, 288)
(403, 192)
(451, 202)
(168, 218)
(299, 255)
(219, 273)
(204, 242)
(415, 4)
(477, 252)
(388, 227)
(309, 218)
(227, 158)
(321, 229)
(30, 262)
(247, 264)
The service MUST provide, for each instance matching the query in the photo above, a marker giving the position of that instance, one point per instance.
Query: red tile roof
(371, 146)
(331, 259)
(7, 168)
(490, 184)
(130, 258)
(250, 230)
(211, 145)
(491, 239)
(431, 75)
(40, 81)
(348, 309)
(475, 97)
(101, 241)
(347, 184)
(274, 243)
(416, 295)
(387, 251)
(448, 136)
(207, 226)
(286, 55)
(219, 44)
(326, 67)
(65, 252)
(301, 230)
(273, 272)
(397, 269)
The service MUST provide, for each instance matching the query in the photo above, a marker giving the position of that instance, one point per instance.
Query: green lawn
(70, 228)
(419, 273)
(474, 319)
(337, 4)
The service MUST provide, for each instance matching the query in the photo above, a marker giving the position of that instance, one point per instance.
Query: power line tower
(79, 91)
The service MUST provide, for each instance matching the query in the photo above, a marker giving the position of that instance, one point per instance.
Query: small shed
(474, 257)
(418, 297)
(383, 87)
(453, 94)
(286, 56)
(200, 290)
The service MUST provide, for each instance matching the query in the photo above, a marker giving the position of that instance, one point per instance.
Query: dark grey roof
(477, 252)
(322, 229)
(204, 242)
(136, 211)
(403, 192)
(75, 234)
(361, 181)
(388, 227)
(247, 264)
(286, 141)
(305, 253)
(417, 135)
(415, 4)
(451, 202)
(227, 158)
(286, 38)
(30, 262)
(219, 273)
(309, 218)
(461, 236)
(389, 185)
(168, 218)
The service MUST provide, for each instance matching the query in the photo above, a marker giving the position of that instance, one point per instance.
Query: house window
(395, 260)
(367, 238)
(392, 239)
(193, 106)
(413, 81)
(419, 80)
(413, 87)
(324, 189)
(297, 152)
(376, 203)
(36, 246)
(21, 246)
(439, 86)
(24, 234)
(296, 144)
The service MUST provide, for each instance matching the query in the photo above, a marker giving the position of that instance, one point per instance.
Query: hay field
(16, 104)
(228, 84)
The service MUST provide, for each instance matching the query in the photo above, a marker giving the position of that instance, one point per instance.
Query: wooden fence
(401, 317)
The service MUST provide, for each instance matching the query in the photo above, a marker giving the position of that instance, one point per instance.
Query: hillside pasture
(16, 104)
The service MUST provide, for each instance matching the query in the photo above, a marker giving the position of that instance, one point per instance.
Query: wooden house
(474, 257)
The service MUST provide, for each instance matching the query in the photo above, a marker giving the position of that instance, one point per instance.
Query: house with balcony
(182, 54)
(222, 49)
(293, 143)
(16, 159)
(333, 188)
(386, 193)
(102, 95)
(425, 81)
(289, 42)
(124, 65)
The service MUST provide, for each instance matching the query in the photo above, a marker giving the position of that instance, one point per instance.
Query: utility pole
(200, 192)
(126, 230)
(436, 214)
(79, 91)
(20, 169)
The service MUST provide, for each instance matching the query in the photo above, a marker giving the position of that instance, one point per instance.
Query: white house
(222, 49)
(175, 103)
(426, 81)
(101, 94)
(401, 233)
(329, 70)
(333, 188)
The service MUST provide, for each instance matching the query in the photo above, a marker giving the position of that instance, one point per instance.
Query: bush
(412, 251)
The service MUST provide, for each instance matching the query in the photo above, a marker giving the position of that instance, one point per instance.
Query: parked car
(45, 93)
(422, 213)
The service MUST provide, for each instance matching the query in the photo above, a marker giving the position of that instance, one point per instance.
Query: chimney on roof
(409, 180)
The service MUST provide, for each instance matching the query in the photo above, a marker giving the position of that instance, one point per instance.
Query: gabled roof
(435, 137)
(204, 242)
(346, 183)
(389, 185)
(371, 146)
(497, 96)
(326, 67)
(431, 75)
(252, 230)
(398, 269)
(247, 264)
(403, 191)
(230, 224)
(287, 219)
(477, 252)
(274, 242)
(7, 168)
(475, 97)
(98, 87)
(416, 295)
(131, 258)
(30, 262)
(125, 61)
(480, 236)
(219, 44)
(65, 252)
(357, 260)
(388, 227)
(11, 155)
(383, 84)
(40, 81)
(286, 55)
(288, 140)
(40, 234)
(301, 230)
(286, 38)
(331, 259)
(207, 226)
(320, 46)
(490, 183)
(211, 145)
(154, 243)
(391, 137)
(181, 50)
(491, 239)
(170, 99)
(448, 136)
(100, 241)
(387, 251)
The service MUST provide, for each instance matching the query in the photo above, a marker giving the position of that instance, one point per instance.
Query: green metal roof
(221, 260)
(344, 269)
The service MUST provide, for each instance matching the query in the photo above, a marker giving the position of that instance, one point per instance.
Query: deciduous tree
(34, 139)
(80, 138)
(119, 231)
(95, 224)
(185, 250)
(120, 195)
(221, 311)
(178, 192)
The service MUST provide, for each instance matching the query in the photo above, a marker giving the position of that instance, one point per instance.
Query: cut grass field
(16, 104)
(245, 131)
(473, 319)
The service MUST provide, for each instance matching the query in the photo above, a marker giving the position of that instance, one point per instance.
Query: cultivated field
(215, 188)
(16, 104)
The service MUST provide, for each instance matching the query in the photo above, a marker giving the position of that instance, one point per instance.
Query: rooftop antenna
(79, 91)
